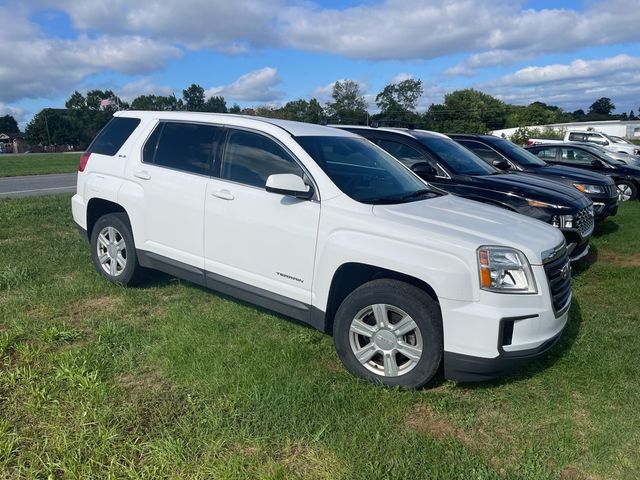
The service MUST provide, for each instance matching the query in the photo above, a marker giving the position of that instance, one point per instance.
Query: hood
(629, 170)
(573, 174)
(468, 224)
(533, 187)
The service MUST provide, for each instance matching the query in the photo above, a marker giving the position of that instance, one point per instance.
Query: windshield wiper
(401, 198)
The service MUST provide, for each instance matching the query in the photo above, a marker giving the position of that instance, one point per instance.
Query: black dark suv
(626, 177)
(506, 155)
(449, 166)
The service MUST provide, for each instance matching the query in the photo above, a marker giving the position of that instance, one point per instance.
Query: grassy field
(38, 163)
(169, 380)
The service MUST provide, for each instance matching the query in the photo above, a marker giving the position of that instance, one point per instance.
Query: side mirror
(424, 169)
(501, 164)
(289, 184)
(597, 163)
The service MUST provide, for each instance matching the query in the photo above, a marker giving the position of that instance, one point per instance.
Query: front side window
(575, 155)
(363, 171)
(516, 153)
(250, 158)
(455, 157)
(409, 156)
(481, 150)
(183, 146)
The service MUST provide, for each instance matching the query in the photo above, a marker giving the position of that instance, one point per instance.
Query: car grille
(558, 273)
(584, 221)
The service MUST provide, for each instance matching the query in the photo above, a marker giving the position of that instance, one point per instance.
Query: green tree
(632, 116)
(397, 102)
(302, 111)
(215, 104)
(467, 111)
(235, 108)
(602, 107)
(536, 113)
(348, 105)
(8, 124)
(50, 127)
(157, 102)
(193, 98)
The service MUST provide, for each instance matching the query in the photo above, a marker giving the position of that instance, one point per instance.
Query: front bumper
(494, 335)
(603, 209)
(468, 368)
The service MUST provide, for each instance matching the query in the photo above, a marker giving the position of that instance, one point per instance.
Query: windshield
(454, 156)
(364, 171)
(518, 154)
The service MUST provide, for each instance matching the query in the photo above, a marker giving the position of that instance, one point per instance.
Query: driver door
(259, 242)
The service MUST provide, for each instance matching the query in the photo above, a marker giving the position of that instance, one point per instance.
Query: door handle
(143, 174)
(223, 194)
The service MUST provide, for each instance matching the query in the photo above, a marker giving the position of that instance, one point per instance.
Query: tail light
(83, 161)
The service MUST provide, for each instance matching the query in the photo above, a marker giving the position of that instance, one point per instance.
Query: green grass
(38, 163)
(170, 380)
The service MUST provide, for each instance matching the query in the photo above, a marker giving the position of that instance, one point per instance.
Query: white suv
(321, 225)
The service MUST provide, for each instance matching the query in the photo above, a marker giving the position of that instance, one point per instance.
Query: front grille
(558, 273)
(584, 221)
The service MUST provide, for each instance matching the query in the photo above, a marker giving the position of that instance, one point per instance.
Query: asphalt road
(32, 185)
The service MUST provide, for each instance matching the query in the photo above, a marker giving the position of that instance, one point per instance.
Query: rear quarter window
(113, 135)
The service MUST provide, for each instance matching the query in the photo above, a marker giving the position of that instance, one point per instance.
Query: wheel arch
(352, 275)
(98, 207)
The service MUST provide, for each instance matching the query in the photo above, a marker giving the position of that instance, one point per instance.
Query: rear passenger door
(173, 175)
(256, 242)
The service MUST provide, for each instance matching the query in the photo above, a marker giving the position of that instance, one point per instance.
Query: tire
(364, 328)
(626, 190)
(113, 251)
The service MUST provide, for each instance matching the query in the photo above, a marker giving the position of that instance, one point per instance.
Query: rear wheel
(113, 251)
(626, 190)
(390, 332)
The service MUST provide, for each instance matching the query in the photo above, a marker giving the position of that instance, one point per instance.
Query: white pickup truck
(323, 226)
(598, 138)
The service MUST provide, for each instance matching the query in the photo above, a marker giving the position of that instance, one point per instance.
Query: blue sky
(257, 52)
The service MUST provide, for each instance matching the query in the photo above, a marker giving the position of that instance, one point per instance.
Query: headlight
(540, 204)
(562, 221)
(504, 270)
(584, 188)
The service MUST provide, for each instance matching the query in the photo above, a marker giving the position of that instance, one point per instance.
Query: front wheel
(113, 251)
(626, 190)
(390, 332)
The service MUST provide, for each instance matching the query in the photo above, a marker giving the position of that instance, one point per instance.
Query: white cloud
(401, 77)
(578, 69)
(574, 85)
(36, 66)
(143, 86)
(257, 86)
(227, 26)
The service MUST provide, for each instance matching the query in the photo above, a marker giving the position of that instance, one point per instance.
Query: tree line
(462, 111)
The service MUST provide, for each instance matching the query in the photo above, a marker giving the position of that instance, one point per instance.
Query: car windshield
(518, 154)
(364, 171)
(454, 156)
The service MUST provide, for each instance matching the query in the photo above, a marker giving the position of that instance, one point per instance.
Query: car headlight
(504, 270)
(592, 189)
(541, 204)
(562, 221)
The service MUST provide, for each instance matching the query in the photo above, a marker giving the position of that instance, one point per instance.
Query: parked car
(451, 167)
(506, 155)
(323, 226)
(627, 177)
(597, 138)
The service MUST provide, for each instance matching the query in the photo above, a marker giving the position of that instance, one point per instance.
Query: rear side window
(250, 158)
(113, 135)
(183, 146)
